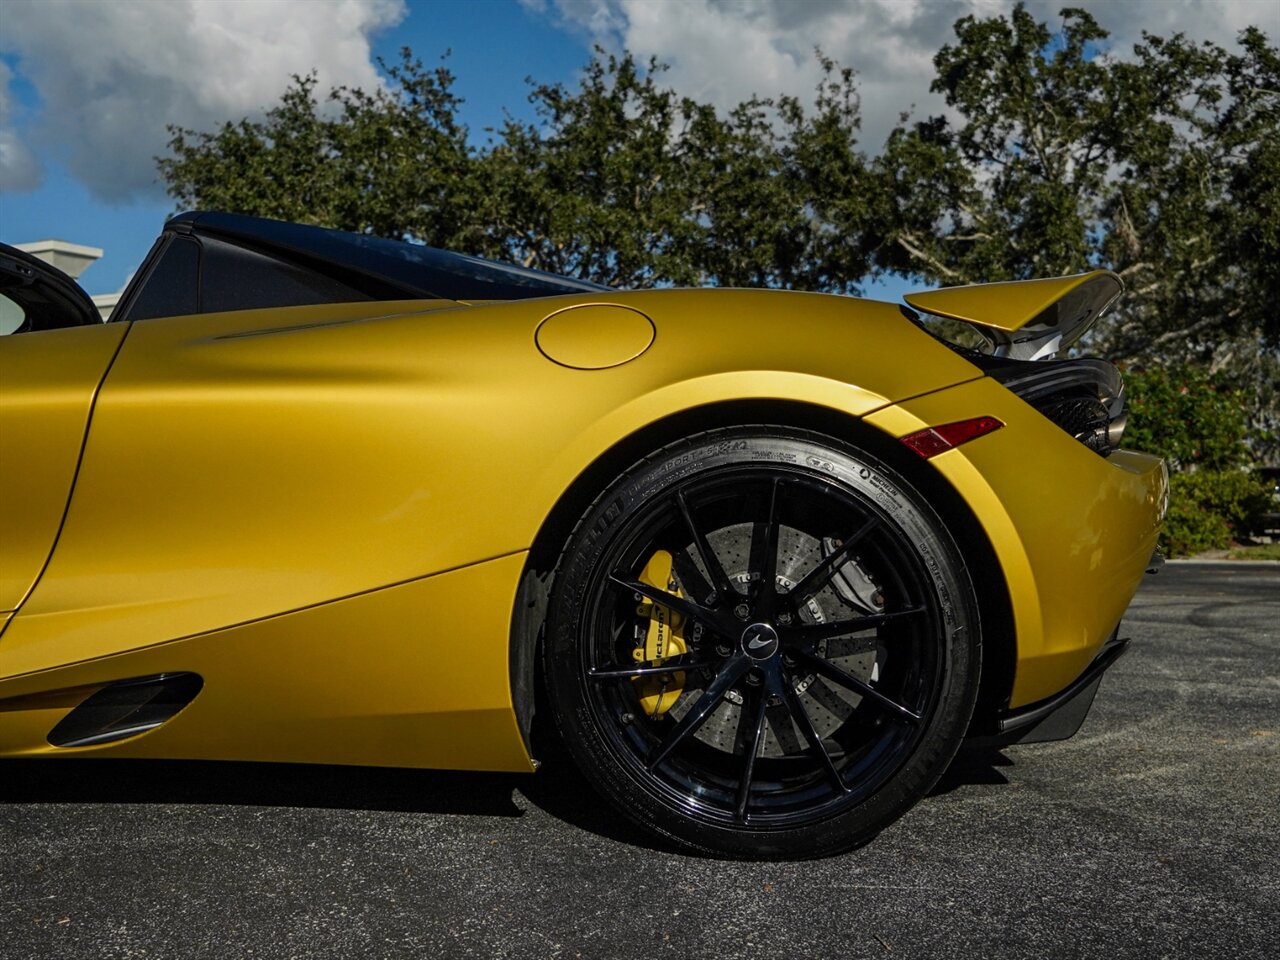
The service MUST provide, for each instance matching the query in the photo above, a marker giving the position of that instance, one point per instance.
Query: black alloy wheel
(762, 643)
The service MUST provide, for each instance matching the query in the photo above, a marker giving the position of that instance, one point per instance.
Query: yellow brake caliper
(664, 638)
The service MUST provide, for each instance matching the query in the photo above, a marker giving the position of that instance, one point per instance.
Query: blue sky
(87, 86)
(495, 44)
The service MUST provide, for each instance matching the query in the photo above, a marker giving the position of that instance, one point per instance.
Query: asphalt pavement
(1153, 833)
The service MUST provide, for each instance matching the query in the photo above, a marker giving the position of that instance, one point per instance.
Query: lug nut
(784, 617)
(742, 611)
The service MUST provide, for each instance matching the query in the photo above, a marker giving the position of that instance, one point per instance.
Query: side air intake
(126, 708)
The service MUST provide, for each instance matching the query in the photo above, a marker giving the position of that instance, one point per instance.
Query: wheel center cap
(760, 641)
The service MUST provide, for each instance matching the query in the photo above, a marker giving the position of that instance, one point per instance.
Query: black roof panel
(410, 269)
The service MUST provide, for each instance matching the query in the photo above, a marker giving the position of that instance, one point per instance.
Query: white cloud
(19, 170)
(723, 51)
(111, 75)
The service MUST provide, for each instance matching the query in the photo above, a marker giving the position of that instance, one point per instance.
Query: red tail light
(932, 441)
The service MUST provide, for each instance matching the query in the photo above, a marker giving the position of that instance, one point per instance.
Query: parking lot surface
(1152, 833)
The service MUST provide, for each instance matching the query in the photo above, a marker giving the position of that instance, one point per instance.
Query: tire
(762, 643)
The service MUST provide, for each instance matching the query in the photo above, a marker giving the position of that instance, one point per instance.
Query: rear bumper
(1073, 532)
(1060, 716)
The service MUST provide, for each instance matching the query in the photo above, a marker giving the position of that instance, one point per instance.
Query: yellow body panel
(389, 677)
(236, 475)
(325, 511)
(47, 384)
(1072, 552)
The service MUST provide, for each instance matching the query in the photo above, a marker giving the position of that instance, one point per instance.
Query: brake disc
(829, 706)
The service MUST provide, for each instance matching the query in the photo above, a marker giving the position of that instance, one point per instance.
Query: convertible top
(208, 261)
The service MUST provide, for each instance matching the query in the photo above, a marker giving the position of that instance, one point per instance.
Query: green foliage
(1188, 529)
(1180, 413)
(1162, 166)
(591, 187)
(1207, 508)
(393, 163)
(1199, 427)
(1266, 551)
(1161, 163)
(619, 180)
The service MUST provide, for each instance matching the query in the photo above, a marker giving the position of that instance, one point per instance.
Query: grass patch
(1267, 551)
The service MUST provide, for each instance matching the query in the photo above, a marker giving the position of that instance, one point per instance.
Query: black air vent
(126, 708)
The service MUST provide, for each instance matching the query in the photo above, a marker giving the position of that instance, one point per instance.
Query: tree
(618, 180)
(1199, 427)
(1164, 168)
(1057, 157)
(394, 162)
(782, 195)
(595, 186)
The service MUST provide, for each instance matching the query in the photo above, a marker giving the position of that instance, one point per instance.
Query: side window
(12, 316)
(172, 286)
(235, 278)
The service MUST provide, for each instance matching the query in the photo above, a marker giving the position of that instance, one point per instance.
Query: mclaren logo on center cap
(760, 641)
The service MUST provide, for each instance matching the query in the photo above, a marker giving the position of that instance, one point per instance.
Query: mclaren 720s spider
(765, 558)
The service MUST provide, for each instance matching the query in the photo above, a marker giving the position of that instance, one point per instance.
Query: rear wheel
(762, 643)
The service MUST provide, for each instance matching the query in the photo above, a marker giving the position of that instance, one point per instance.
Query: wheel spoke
(766, 587)
(751, 733)
(720, 584)
(821, 574)
(729, 674)
(692, 582)
(686, 661)
(780, 686)
(810, 633)
(668, 600)
(838, 675)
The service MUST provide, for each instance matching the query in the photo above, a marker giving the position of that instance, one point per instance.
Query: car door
(54, 353)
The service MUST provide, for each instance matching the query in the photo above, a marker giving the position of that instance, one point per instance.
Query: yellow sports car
(766, 558)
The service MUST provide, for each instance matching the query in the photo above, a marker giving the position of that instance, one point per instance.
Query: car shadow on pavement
(257, 784)
(558, 789)
(561, 791)
(973, 766)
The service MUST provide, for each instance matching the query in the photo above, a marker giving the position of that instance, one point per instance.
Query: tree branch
(1166, 337)
(919, 254)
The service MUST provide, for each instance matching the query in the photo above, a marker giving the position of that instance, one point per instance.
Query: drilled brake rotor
(827, 705)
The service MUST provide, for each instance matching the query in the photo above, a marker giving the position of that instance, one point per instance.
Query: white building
(72, 259)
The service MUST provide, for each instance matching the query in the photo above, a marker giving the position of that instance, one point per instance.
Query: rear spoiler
(1026, 319)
